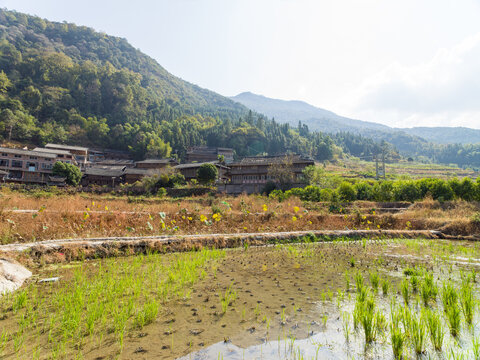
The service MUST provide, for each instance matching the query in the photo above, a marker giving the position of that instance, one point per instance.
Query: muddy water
(290, 302)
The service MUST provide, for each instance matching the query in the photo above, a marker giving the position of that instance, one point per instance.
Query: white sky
(401, 63)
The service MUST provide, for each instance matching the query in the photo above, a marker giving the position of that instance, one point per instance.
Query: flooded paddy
(342, 299)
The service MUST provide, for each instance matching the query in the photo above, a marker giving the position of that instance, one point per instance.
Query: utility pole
(376, 167)
(383, 163)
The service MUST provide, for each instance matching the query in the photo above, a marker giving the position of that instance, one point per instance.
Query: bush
(383, 191)
(268, 188)
(162, 192)
(207, 173)
(406, 191)
(346, 192)
(312, 193)
(70, 172)
(363, 190)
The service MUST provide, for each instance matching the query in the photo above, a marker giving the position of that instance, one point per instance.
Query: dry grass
(71, 216)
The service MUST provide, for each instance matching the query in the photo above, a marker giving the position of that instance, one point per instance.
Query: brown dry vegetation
(27, 218)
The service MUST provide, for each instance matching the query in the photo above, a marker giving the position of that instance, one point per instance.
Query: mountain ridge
(292, 111)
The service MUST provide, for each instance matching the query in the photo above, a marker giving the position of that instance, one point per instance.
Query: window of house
(4, 154)
(18, 156)
(33, 157)
(4, 162)
(17, 164)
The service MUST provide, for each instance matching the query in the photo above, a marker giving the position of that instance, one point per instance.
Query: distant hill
(446, 135)
(293, 111)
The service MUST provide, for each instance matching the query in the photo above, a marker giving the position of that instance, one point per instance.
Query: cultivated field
(372, 299)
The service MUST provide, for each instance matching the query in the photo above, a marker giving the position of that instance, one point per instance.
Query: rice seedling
(428, 289)
(405, 289)
(367, 320)
(397, 337)
(414, 283)
(467, 302)
(453, 317)
(228, 298)
(374, 280)
(385, 286)
(476, 348)
(359, 282)
(347, 280)
(435, 328)
(346, 325)
(416, 330)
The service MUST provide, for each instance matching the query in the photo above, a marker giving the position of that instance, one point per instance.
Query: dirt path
(60, 250)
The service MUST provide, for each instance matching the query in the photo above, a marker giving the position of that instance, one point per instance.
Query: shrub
(70, 172)
(268, 188)
(363, 190)
(207, 173)
(383, 191)
(311, 193)
(161, 192)
(406, 191)
(346, 192)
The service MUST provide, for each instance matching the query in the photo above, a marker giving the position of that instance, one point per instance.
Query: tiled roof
(53, 151)
(156, 161)
(196, 165)
(66, 147)
(112, 171)
(27, 152)
(268, 160)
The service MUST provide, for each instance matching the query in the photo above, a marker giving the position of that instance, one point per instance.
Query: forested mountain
(69, 84)
(444, 145)
(446, 135)
(293, 111)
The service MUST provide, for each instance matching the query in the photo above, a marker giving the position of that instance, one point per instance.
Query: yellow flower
(294, 218)
(265, 208)
(203, 218)
(310, 222)
(190, 218)
(244, 228)
(216, 217)
(296, 209)
(106, 208)
(264, 267)
(183, 217)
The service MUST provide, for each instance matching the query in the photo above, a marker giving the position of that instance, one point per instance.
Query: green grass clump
(435, 328)
(467, 302)
(147, 315)
(374, 280)
(428, 289)
(405, 289)
(385, 287)
(397, 337)
(452, 310)
(228, 298)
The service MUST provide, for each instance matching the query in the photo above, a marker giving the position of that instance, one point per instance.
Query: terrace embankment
(64, 250)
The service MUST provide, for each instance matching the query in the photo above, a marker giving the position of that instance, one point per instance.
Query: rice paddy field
(382, 299)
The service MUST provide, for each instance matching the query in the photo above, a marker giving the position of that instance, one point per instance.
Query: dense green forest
(65, 83)
(69, 84)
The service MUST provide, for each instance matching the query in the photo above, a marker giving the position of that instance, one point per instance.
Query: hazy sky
(402, 63)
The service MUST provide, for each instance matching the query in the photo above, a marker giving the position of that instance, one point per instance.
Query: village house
(156, 163)
(30, 166)
(189, 171)
(251, 174)
(205, 154)
(132, 175)
(80, 153)
(103, 176)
